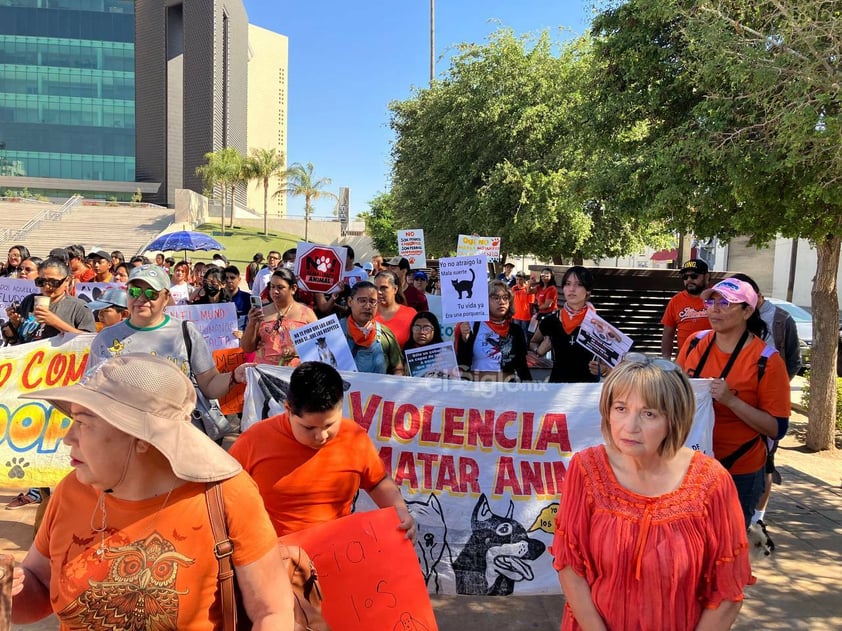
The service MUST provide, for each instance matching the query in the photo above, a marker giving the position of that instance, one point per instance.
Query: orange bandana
(362, 337)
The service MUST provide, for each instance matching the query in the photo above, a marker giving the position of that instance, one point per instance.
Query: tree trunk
(307, 220)
(231, 196)
(822, 413)
(224, 202)
(266, 207)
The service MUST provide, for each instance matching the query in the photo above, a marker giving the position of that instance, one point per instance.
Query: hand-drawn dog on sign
(496, 555)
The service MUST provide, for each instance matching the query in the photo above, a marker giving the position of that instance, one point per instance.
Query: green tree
(262, 165)
(223, 168)
(723, 119)
(494, 147)
(380, 224)
(301, 182)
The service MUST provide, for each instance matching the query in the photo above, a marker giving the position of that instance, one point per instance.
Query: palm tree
(223, 168)
(300, 182)
(261, 165)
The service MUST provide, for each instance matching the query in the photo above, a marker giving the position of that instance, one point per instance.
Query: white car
(804, 324)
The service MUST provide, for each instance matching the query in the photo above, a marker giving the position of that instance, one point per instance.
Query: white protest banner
(31, 431)
(14, 290)
(466, 454)
(319, 268)
(323, 341)
(216, 323)
(470, 244)
(602, 339)
(411, 246)
(464, 291)
(433, 360)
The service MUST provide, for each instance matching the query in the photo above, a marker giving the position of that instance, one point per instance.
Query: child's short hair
(661, 385)
(314, 387)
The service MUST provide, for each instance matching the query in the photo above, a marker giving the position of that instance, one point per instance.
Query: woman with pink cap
(749, 385)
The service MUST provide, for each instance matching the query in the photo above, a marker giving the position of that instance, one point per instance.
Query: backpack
(761, 361)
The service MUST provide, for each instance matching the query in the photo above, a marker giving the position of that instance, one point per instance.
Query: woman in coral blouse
(268, 330)
(649, 533)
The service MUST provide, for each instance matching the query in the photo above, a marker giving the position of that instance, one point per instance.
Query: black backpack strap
(729, 460)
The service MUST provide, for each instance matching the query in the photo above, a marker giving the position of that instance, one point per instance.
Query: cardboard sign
(469, 244)
(605, 341)
(369, 573)
(411, 247)
(216, 323)
(226, 360)
(464, 289)
(319, 268)
(433, 360)
(323, 341)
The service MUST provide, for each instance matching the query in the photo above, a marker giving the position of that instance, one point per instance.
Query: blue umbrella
(185, 240)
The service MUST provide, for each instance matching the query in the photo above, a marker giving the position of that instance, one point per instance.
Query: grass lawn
(241, 244)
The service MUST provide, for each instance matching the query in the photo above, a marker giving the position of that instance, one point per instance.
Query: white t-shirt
(354, 275)
(261, 280)
(180, 293)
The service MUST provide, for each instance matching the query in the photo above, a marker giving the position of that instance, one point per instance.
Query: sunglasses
(644, 360)
(690, 276)
(49, 282)
(721, 303)
(137, 292)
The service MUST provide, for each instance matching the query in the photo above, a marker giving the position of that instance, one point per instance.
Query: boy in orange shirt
(310, 462)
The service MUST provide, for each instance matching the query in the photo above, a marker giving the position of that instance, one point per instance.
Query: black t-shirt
(570, 360)
(70, 309)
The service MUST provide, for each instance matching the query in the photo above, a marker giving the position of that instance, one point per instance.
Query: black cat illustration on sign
(465, 286)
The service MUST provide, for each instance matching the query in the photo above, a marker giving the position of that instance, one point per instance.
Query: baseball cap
(734, 291)
(99, 254)
(512, 265)
(697, 266)
(368, 267)
(420, 274)
(156, 277)
(151, 399)
(110, 298)
(399, 262)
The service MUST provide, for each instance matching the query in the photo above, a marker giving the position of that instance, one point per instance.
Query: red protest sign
(319, 267)
(226, 360)
(369, 573)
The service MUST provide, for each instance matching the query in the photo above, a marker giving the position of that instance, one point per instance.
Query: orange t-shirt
(543, 294)
(158, 568)
(771, 394)
(522, 302)
(687, 314)
(302, 486)
(399, 323)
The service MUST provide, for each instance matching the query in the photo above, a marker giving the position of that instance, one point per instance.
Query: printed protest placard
(369, 573)
(469, 244)
(464, 291)
(319, 268)
(469, 457)
(433, 360)
(411, 246)
(323, 341)
(602, 339)
(89, 292)
(216, 323)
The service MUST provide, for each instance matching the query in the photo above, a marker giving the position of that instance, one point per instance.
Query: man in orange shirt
(685, 314)
(522, 303)
(310, 462)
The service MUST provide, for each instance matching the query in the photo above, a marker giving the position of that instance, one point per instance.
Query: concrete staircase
(109, 227)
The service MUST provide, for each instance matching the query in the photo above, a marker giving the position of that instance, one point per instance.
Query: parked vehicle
(804, 324)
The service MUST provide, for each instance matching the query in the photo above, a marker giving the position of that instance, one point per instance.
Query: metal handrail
(49, 214)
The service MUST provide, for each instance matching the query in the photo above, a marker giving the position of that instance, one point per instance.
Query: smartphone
(256, 303)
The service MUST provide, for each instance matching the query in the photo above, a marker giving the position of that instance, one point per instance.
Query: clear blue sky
(348, 60)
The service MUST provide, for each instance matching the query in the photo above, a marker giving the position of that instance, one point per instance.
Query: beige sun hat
(151, 399)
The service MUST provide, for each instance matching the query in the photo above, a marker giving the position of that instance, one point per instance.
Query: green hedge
(805, 398)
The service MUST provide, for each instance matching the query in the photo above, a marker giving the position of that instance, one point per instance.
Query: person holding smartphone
(267, 333)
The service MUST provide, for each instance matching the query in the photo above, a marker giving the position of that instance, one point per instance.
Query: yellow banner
(31, 432)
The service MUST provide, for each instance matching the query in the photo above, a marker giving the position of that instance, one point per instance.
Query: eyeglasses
(644, 360)
(690, 276)
(137, 292)
(501, 297)
(424, 328)
(366, 301)
(721, 303)
(54, 283)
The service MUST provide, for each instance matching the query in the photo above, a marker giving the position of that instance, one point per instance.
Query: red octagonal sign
(319, 267)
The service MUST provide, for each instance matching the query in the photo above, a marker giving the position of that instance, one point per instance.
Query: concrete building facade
(267, 108)
(191, 76)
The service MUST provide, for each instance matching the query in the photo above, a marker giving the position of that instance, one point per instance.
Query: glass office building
(67, 89)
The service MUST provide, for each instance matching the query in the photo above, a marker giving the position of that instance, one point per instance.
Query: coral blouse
(651, 562)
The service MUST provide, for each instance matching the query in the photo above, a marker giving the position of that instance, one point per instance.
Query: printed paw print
(17, 468)
(323, 264)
